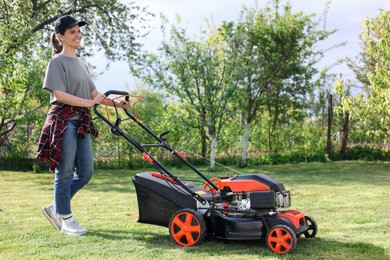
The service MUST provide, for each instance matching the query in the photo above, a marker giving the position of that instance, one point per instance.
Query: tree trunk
(269, 138)
(214, 142)
(330, 117)
(345, 134)
(203, 143)
(245, 144)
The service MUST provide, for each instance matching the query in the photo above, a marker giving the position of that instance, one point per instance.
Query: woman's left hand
(124, 104)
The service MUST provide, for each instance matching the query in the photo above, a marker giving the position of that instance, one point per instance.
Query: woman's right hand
(99, 99)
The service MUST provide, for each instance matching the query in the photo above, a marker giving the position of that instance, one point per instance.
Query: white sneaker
(72, 227)
(54, 218)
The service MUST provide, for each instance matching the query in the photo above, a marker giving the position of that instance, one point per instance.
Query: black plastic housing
(233, 228)
(263, 199)
(159, 199)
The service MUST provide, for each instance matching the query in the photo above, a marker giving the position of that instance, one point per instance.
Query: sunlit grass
(349, 200)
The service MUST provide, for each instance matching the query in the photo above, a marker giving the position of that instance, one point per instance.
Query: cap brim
(79, 23)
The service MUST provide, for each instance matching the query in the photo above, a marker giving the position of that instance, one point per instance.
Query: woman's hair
(56, 45)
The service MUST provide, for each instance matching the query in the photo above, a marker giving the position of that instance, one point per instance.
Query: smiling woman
(65, 140)
(67, 30)
(71, 38)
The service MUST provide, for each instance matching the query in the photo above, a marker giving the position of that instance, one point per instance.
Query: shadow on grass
(317, 248)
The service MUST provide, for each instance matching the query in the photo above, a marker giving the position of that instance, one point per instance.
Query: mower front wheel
(313, 227)
(281, 239)
(187, 228)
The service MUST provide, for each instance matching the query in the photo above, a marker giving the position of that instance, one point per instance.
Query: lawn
(349, 200)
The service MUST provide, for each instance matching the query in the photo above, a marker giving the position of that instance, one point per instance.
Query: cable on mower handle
(111, 92)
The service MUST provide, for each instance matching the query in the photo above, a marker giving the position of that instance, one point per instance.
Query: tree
(371, 67)
(25, 28)
(274, 52)
(197, 72)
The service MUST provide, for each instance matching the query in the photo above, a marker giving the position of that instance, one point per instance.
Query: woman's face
(71, 38)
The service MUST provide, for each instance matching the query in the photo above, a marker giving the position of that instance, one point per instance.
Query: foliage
(197, 72)
(226, 85)
(364, 153)
(274, 56)
(372, 109)
(25, 28)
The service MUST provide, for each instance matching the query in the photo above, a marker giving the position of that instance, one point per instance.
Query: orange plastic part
(161, 176)
(147, 157)
(242, 185)
(208, 187)
(296, 218)
(181, 155)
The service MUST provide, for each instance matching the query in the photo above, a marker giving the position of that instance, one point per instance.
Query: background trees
(371, 109)
(266, 59)
(198, 73)
(275, 56)
(25, 28)
(245, 91)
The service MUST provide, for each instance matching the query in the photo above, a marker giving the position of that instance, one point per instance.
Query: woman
(65, 139)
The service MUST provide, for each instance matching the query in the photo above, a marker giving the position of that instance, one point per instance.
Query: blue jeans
(77, 155)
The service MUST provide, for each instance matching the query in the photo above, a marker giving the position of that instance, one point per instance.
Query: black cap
(66, 22)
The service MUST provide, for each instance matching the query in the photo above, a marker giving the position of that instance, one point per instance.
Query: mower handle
(118, 92)
(160, 139)
(111, 92)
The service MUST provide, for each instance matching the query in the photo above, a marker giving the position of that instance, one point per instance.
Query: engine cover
(262, 179)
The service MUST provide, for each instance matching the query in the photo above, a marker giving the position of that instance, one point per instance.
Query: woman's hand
(71, 100)
(124, 104)
(99, 99)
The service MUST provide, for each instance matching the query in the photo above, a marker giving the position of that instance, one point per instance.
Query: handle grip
(118, 92)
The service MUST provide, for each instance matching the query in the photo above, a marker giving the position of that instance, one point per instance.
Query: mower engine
(253, 193)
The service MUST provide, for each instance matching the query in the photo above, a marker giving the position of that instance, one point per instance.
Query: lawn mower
(243, 207)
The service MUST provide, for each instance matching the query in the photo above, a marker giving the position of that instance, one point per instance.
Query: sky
(346, 16)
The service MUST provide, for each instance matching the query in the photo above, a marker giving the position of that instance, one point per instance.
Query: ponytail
(56, 45)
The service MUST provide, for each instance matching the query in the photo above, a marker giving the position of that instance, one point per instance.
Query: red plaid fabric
(49, 146)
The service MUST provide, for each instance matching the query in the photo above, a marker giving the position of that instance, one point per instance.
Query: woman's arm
(71, 100)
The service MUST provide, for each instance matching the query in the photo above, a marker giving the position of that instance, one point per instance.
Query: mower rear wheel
(313, 227)
(187, 228)
(281, 239)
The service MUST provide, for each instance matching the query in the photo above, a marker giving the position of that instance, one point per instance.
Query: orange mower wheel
(187, 228)
(281, 239)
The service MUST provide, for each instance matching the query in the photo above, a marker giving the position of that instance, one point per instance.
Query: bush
(18, 162)
(364, 153)
(14, 161)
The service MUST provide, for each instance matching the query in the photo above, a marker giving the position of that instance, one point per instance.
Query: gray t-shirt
(69, 75)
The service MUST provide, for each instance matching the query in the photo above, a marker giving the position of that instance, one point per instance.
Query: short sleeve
(55, 77)
(92, 86)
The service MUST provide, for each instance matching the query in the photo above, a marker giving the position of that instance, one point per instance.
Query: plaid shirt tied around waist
(49, 147)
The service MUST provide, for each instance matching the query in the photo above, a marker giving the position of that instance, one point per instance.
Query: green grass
(349, 200)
